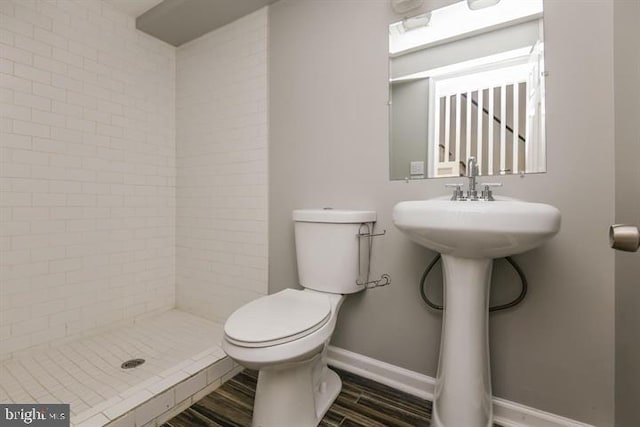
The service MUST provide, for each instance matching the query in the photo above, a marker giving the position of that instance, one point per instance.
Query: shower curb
(162, 405)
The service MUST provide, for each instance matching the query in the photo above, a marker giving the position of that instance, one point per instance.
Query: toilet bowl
(285, 335)
(295, 387)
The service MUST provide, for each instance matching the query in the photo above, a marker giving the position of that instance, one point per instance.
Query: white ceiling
(133, 8)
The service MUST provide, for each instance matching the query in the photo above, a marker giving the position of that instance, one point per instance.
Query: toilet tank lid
(334, 215)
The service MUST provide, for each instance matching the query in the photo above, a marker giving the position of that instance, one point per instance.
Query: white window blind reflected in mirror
(475, 124)
(491, 115)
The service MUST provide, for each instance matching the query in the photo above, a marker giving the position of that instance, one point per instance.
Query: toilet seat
(278, 318)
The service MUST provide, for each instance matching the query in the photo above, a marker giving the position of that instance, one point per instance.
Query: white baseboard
(505, 413)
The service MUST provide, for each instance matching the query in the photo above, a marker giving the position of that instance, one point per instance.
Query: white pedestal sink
(469, 234)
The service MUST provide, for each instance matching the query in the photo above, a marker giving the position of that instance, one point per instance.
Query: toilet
(285, 335)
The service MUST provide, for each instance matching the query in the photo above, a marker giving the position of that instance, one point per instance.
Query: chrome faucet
(472, 173)
(472, 192)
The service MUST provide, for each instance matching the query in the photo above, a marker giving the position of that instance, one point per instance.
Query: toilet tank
(327, 248)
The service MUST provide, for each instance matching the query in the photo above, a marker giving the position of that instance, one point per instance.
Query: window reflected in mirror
(468, 83)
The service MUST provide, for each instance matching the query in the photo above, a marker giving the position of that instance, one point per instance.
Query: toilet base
(295, 395)
(332, 390)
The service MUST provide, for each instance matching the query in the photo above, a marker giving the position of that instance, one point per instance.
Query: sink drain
(133, 363)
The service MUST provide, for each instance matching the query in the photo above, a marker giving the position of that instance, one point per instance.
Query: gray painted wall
(328, 74)
(409, 130)
(627, 128)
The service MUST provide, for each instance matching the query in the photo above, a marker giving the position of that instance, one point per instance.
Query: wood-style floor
(361, 403)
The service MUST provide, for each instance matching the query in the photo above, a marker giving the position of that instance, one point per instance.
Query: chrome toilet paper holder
(366, 232)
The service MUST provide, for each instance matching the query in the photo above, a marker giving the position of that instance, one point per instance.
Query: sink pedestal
(469, 235)
(463, 386)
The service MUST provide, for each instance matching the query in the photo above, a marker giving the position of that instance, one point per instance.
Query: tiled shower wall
(221, 121)
(87, 170)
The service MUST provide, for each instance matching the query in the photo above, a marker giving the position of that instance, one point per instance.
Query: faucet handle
(487, 194)
(458, 194)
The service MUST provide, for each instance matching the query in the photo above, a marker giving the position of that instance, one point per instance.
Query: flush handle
(624, 237)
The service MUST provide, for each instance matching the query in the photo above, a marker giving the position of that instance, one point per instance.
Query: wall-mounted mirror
(468, 82)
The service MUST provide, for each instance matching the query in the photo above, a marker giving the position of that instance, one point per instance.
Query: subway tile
(167, 382)
(210, 388)
(127, 420)
(67, 57)
(47, 118)
(31, 45)
(6, 94)
(154, 407)
(48, 91)
(182, 406)
(32, 16)
(17, 55)
(127, 162)
(29, 157)
(97, 420)
(14, 228)
(14, 111)
(47, 253)
(68, 110)
(51, 9)
(201, 364)
(46, 226)
(50, 38)
(63, 160)
(30, 73)
(217, 370)
(32, 101)
(21, 127)
(16, 25)
(65, 265)
(48, 64)
(16, 84)
(213, 244)
(65, 82)
(190, 386)
(7, 8)
(28, 326)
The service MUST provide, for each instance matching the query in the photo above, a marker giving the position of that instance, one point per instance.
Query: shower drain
(133, 363)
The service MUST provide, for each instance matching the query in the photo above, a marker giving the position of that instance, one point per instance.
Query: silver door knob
(624, 237)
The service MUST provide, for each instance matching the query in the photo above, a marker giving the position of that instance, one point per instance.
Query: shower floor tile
(86, 372)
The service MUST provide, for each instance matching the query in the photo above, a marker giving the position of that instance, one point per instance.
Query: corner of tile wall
(221, 186)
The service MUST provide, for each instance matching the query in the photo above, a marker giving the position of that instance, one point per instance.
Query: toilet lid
(278, 318)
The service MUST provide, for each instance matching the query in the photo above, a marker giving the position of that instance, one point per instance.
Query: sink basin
(469, 234)
(477, 229)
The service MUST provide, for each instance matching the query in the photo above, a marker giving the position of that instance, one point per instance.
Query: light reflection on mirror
(468, 83)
